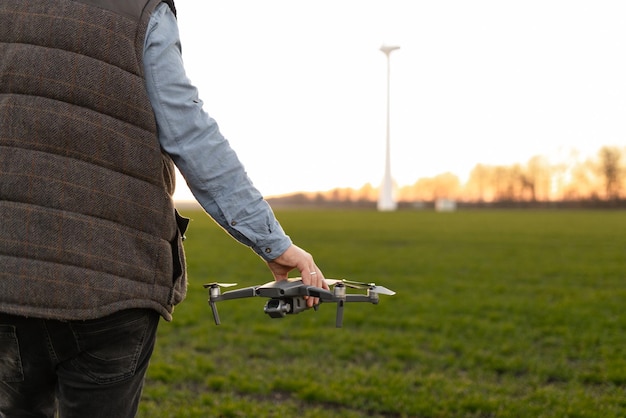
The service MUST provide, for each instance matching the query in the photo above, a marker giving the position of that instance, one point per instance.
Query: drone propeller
(361, 285)
(215, 284)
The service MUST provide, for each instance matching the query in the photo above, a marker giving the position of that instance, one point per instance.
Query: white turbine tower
(386, 201)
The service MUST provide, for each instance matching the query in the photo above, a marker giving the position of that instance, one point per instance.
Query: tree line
(599, 177)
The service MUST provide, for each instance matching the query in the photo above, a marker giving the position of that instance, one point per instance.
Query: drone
(287, 297)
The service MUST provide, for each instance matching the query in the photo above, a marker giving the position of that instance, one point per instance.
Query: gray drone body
(288, 297)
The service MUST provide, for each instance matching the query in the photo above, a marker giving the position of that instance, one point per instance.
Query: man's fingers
(313, 276)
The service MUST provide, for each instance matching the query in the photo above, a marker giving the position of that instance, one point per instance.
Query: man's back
(88, 220)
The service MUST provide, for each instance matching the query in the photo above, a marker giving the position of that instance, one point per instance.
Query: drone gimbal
(288, 296)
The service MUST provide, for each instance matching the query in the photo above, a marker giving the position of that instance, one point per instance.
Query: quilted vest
(87, 222)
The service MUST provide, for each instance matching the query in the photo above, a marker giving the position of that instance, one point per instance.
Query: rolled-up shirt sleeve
(211, 168)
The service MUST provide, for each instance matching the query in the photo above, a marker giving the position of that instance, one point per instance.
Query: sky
(299, 87)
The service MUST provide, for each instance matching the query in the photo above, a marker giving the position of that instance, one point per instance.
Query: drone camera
(277, 308)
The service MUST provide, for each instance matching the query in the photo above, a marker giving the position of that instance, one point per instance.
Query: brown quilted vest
(87, 223)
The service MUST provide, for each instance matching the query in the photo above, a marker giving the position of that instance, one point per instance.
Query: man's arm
(211, 168)
(192, 138)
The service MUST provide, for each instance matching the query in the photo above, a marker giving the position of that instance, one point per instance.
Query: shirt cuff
(273, 246)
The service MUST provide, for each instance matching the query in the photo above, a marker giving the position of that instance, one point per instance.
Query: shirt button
(268, 250)
(233, 223)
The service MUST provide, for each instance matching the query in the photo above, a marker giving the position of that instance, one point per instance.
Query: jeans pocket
(10, 360)
(111, 347)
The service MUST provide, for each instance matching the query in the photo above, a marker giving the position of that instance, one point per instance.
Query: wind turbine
(386, 200)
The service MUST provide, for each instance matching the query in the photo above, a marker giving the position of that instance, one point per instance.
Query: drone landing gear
(339, 292)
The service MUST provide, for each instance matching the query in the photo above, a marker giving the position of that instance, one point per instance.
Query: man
(95, 110)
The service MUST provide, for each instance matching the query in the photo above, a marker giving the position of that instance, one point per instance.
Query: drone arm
(216, 296)
(323, 294)
(372, 298)
(246, 292)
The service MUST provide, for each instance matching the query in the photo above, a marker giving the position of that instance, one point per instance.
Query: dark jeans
(93, 368)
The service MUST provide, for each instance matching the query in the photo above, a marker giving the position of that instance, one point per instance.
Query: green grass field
(498, 314)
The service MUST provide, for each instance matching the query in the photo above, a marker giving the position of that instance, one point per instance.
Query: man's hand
(296, 258)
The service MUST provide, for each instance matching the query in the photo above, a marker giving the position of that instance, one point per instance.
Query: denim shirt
(204, 157)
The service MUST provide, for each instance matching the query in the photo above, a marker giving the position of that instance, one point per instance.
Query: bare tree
(446, 186)
(505, 182)
(611, 170)
(537, 178)
(367, 193)
(477, 184)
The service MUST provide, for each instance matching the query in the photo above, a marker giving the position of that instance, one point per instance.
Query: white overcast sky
(299, 87)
